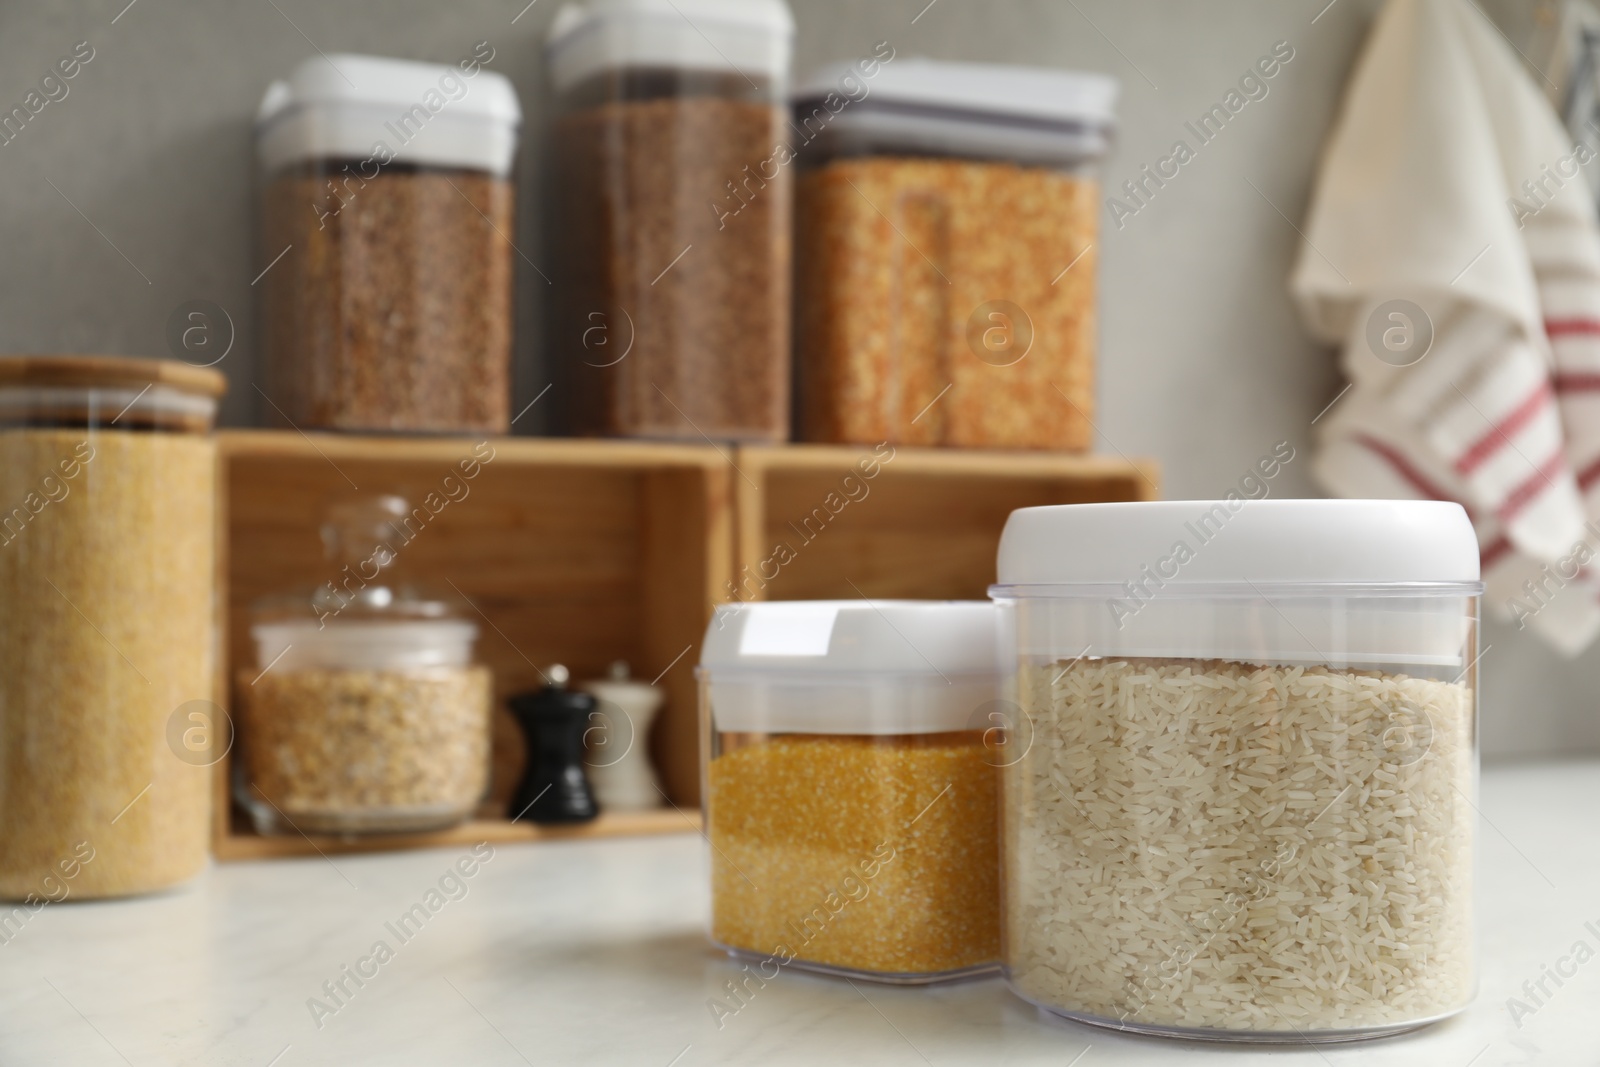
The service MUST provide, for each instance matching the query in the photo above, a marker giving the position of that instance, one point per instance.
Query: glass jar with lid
(108, 726)
(850, 789)
(364, 711)
(386, 254)
(1246, 809)
(670, 215)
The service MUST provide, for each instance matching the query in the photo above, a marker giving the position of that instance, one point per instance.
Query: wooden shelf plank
(550, 451)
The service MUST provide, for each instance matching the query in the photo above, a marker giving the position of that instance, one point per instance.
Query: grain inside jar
(924, 280)
(672, 311)
(872, 854)
(334, 751)
(396, 312)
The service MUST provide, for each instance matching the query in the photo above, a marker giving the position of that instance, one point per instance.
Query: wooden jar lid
(110, 372)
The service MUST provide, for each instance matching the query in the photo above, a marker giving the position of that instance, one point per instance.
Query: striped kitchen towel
(1452, 250)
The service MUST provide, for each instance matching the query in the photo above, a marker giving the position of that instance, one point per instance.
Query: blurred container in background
(671, 217)
(388, 198)
(945, 259)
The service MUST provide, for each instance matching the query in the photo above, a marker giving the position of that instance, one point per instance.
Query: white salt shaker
(618, 741)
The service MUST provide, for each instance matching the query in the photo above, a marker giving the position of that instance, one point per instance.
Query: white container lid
(364, 645)
(1343, 582)
(753, 37)
(851, 666)
(345, 106)
(1268, 542)
(1028, 115)
(984, 91)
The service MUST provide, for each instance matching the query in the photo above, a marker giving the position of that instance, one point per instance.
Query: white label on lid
(801, 629)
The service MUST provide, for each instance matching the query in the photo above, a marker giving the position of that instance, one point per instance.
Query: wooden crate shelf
(580, 552)
(577, 552)
(925, 525)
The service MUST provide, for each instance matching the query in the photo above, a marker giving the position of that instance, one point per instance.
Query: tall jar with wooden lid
(107, 640)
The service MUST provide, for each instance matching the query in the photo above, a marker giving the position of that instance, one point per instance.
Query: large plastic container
(946, 231)
(387, 252)
(108, 637)
(670, 215)
(850, 787)
(1245, 811)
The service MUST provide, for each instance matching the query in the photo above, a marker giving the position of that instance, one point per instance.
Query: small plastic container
(849, 786)
(364, 712)
(945, 259)
(671, 217)
(1245, 811)
(386, 244)
(108, 634)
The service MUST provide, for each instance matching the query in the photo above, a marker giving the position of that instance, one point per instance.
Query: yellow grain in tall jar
(107, 642)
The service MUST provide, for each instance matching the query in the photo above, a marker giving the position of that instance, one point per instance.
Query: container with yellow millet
(850, 793)
(108, 728)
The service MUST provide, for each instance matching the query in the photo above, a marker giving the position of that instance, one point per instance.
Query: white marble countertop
(593, 953)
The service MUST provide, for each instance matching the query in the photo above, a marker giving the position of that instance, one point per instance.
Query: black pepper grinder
(554, 788)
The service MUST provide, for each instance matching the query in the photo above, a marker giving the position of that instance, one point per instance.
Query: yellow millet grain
(893, 258)
(92, 668)
(798, 816)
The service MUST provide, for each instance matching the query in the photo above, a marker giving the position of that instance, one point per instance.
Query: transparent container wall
(362, 750)
(1268, 839)
(871, 856)
(391, 307)
(671, 221)
(913, 276)
(107, 641)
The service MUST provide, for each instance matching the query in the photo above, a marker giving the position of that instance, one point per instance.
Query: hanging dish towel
(1452, 251)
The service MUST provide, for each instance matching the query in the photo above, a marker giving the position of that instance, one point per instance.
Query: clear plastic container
(945, 260)
(108, 728)
(386, 251)
(1245, 811)
(670, 217)
(364, 711)
(850, 787)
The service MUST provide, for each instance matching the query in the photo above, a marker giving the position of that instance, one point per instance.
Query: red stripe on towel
(1532, 488)
(1500, 434)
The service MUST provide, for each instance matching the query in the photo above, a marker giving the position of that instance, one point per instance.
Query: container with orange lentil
(945, 255)
(850, 793)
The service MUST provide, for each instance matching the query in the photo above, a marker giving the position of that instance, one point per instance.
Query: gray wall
(1202, 362)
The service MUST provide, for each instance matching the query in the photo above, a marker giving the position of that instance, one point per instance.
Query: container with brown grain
(945, 266)
(108, 728)
(386, 254)
(670, 219)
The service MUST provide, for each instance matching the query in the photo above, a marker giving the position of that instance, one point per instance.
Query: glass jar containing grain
(108, 636)
(850, 787)
(386, 252)
(945, 259)
(670, 216)
(364, 711)
(1245, 811)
